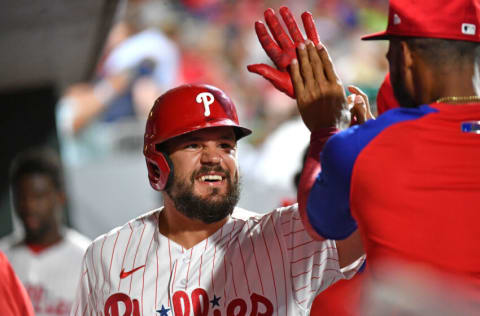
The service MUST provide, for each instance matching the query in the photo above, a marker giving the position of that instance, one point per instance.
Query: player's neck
(185, 231)
(463, 84)
(46, 240)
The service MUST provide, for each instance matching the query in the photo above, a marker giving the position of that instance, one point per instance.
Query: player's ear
(406, 55)
(411, 66)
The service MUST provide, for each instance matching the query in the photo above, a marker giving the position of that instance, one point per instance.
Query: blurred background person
(101, 122)
(47, 259)
(138, 63)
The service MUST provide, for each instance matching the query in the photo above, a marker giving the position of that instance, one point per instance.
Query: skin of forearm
(91, 102)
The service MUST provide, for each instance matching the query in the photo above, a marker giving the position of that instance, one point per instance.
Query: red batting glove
(280, 79)
(282, 50)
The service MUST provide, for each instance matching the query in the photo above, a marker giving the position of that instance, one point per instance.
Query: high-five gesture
(281, 50)
(320, 95)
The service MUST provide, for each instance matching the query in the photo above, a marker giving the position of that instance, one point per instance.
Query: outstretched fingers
(329, 69)
(297, 79)
(310, 29)
(277, 30)
(316, 64)
(271, 48)
(306, 67)
(291, 25)
(283, 47)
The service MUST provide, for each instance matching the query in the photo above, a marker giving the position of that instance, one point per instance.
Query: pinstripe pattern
(254, 262)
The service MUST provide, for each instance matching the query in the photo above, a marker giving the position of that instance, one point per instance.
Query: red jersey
(410, 181)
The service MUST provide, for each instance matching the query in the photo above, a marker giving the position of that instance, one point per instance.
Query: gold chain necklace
(469, 99)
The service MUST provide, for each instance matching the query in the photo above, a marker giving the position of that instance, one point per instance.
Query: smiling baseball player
(199, 254)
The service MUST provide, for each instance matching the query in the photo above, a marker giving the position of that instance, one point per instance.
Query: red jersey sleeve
(14, 299)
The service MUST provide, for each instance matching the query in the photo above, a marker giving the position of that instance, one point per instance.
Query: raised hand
(320, 95)
(359, 106)
(282, 50)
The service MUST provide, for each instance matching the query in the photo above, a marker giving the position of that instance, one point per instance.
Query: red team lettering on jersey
(197, 303)
(254, 265)
(45, 304)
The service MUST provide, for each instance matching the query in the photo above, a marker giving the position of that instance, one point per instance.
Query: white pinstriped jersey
(254, 265)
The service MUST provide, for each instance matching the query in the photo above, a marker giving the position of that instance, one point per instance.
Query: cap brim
(241, 132)
(376, 36)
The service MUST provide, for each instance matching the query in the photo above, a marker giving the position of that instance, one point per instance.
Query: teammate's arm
(83, 102)
(323, 106)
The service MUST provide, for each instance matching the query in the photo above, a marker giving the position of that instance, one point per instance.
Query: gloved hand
(282, 50)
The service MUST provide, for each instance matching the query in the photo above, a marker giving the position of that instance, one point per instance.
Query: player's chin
(213, 195)
(35, 232)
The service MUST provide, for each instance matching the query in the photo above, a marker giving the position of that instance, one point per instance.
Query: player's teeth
(211, 178)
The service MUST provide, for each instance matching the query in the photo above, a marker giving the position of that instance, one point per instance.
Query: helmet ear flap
(166, 170)
(160, 170)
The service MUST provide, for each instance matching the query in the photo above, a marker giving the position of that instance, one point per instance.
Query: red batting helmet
(179, 111)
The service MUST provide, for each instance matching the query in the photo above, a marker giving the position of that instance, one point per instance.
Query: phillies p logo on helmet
(206, 98)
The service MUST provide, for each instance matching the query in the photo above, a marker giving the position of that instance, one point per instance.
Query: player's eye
(192, 146)
(227, 145)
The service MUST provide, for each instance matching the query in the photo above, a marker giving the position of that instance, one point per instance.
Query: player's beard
(209, 209)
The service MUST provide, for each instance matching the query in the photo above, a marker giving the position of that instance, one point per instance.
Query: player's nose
(211, 155)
